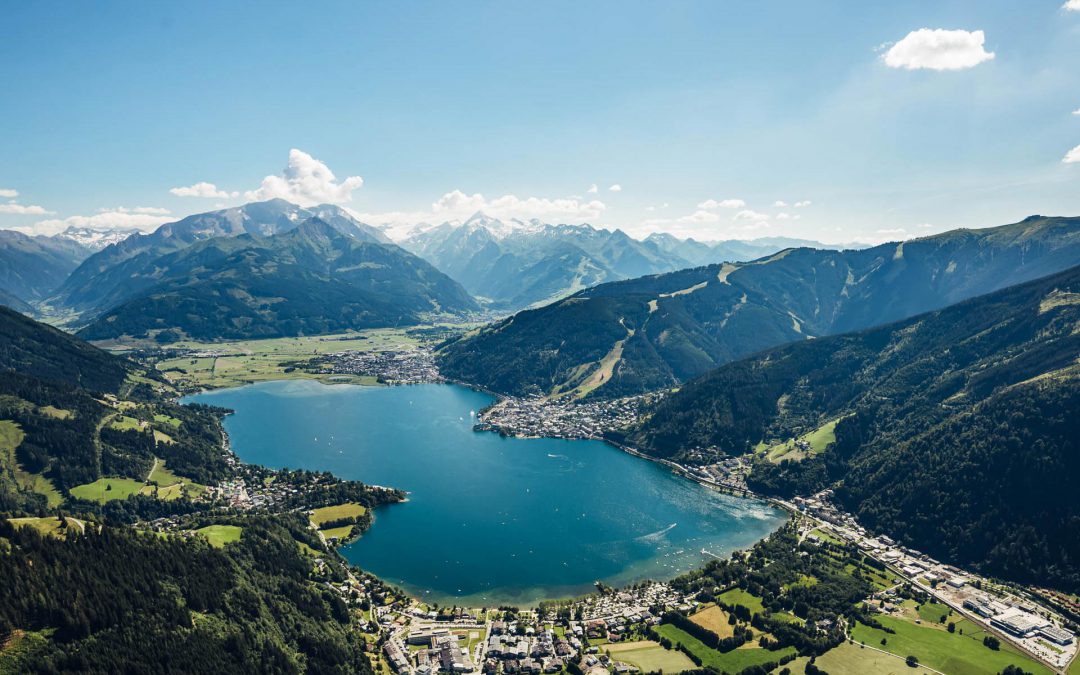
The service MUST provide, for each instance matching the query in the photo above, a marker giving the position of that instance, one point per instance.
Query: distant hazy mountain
(312, 278)
(99, 282)
(33, 267)
(957, 433)
(515, 264)
(660, 330)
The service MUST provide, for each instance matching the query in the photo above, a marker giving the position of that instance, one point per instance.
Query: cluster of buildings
(1017, 620)
(413, 366)
(631, 605)
(561, 418)
(541, 652)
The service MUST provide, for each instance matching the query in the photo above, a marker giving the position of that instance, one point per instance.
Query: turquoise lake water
(489, 520)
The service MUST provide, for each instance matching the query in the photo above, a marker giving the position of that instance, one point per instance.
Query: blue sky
(519, 108)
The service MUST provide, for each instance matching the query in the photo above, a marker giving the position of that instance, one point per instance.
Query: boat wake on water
(658, 535)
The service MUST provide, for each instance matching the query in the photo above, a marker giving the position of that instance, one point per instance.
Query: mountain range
(122, 269)
(954, 432)
(657, 331)
(32, 267)
(515, 264)
(315, 277)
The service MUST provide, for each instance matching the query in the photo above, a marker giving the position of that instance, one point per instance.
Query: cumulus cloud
(1075, 112)
(203, 189)
(1072, 156)
(145, 218)
(801, 204)
(593, 189)
(722, 204)
(8, 193)
(23, 209)
(749, 214)
(306, 181)
(938, 49)
(1071, 6)
(615, 188)
(780, 203)
(783, 215)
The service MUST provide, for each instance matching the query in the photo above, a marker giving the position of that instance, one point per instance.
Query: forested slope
(957, 429)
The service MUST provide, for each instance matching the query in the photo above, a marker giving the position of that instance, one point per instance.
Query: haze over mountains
(515, 264)
(656, 331)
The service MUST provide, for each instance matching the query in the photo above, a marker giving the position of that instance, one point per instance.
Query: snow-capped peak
(95, 239)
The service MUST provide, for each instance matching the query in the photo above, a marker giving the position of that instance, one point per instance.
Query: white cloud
(892, 231)
(780, 203)
(937, 49)
(783, 215)
(722, 204)
(748, 214)
(203, 189)
(1075, 112)
(1072, 156)
(615, 188)
(8, 193)
(926, 226)
(306, 181)
(801, 204)
(144, 218)
(1071, 5)
(23, 209)
(593, 189)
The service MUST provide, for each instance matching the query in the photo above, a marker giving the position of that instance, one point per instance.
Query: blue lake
(489, 520)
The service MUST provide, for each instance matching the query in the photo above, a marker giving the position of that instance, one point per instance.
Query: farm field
(48, 525)
(738, 596)
(226, 364)
(715, 619)
(107, 489)
(219, 535)
(952, 653)
(337, 512)
(649, 656)
(849, 659)
(341, 533)
(732, 662)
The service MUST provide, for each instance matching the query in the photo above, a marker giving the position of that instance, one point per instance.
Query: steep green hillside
(34, 349)
(679, 325)
(312, 279)
(957, 434)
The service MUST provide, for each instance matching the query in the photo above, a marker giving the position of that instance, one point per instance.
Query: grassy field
(732, 661)
(849, 659)
(337, 512)
(738, 596)
(818, 440)
(650, 656)
(107, 489)
(49, 525)
(125, 423)
(931, 612)
(951, 653)
(233, 363)
(167, 419)
(10, 438)
(219, 535)
(57, 413)
(341, 533)
(715, 619)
